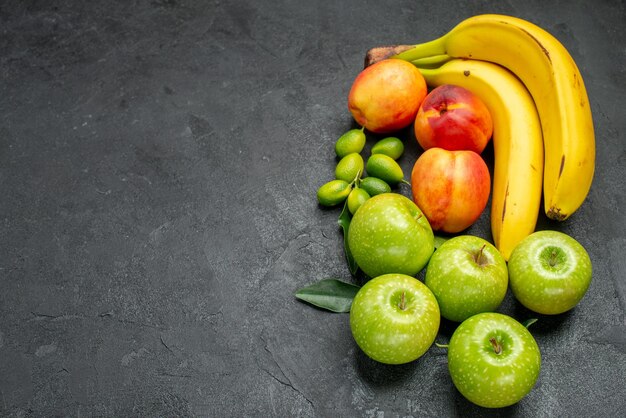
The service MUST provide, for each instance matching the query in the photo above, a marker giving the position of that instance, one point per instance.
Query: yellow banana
(517, 141)
(556, 85)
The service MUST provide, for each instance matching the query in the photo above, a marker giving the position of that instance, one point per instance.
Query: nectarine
(385, 96)
(451, 188)
(453, 118)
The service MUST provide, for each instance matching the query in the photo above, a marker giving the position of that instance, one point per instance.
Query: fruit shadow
(545, 325)
(465, 408)
(381, 375)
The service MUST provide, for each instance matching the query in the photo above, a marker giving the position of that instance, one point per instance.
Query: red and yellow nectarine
(385, 96)
(453, 118)
(451, 188)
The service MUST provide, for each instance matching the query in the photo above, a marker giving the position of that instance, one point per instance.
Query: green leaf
(440, 240)
(330, 294)
(344, 222)
(529, 322)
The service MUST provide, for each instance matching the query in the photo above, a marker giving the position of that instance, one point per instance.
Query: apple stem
(402, 304)
(497, 347)
(479, 256)
(553, 258)
(405, 182)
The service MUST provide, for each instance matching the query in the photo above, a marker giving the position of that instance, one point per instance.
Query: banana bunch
(543, 127)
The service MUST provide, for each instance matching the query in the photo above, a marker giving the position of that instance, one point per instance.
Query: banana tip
(556, 214)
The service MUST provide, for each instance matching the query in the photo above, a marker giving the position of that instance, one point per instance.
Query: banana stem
(434, 61)
(428, 73)
(427, 49)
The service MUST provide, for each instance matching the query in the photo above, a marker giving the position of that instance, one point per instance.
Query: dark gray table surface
(158, 168)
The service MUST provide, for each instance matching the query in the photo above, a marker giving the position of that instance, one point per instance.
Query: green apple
(394, 318)
(549, 272)
(390, 234)
(467, 275)
(493, 360)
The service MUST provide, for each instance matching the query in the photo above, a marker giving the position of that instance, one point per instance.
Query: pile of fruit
(492, 77)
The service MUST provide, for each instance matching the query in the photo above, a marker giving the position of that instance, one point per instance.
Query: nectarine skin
(451, 188)
(453, 118)
(385, 96)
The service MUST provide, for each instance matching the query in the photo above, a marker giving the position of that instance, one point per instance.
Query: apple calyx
(497, 347)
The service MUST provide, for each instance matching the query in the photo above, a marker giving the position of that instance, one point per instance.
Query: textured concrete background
(158, 168)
